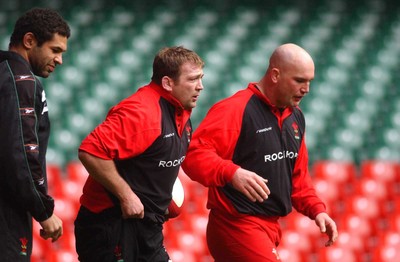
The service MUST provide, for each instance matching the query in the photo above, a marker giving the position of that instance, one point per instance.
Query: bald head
(288, 77)
(289, 55)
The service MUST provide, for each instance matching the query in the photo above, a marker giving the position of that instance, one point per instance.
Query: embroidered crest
(24, 243)
(188, 132)
(118, 253)
(296, 130)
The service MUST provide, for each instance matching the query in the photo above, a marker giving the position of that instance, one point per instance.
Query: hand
(131, 206)
(251, 185)
(51, 228)
(327, 226)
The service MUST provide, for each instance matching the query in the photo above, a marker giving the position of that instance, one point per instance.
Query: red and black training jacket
(246, 130)
(147, 136)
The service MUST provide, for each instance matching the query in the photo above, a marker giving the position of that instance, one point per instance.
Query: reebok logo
(263, 130)
(169, 135)
(24, 78)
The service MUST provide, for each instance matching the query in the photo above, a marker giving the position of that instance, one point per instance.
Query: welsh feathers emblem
(296, 130)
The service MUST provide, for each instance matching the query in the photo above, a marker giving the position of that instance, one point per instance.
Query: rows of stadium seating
(363, 200)
(352, 111)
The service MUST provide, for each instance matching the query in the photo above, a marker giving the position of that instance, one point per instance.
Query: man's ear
(275, 75)
(29, 40)
(167, 83)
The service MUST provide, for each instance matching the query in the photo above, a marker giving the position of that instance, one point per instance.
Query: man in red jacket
(133, 159)
(251, 153)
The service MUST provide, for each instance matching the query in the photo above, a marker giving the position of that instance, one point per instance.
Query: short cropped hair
(42, 22)
(169, 60)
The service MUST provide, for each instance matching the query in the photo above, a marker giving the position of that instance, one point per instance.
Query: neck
(19, 50)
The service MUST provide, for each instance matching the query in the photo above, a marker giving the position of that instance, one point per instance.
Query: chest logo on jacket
(296, 130)
(171, 163)
(263, 130)
(280, 155)
(169, 135)
(188, 132)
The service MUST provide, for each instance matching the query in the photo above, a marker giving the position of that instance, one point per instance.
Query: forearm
(105, 173)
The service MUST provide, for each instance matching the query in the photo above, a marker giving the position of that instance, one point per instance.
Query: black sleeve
(22, 169)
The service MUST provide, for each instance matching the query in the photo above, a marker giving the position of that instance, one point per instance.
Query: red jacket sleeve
(209, 157)
(304, 197)
(128, 130)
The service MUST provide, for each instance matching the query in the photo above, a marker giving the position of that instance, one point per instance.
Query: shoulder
(141, 107)
(235, 103)
(16, 62)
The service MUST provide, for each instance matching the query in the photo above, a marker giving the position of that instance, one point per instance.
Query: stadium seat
(288, 254)
(65, 209)
(76, 172)
(386, 171)
(73, 191)
(394, 222)
(354, 223)
(372, 188)
(328, 192)
(338, 172)
(299, 223)
(386, 253)
(336, 254)
(389, 238)
(199, 224)
(55, 180)
(179, 255)
(353, 242)
(192, 242)
(296, 241)
(364, 206)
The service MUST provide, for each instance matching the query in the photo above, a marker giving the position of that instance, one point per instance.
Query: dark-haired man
(36, 46)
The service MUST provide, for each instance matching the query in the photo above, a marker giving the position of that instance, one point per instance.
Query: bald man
(250, 152)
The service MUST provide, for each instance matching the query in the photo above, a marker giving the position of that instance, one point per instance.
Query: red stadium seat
(199, 224)
(286, 253)
(179, 255)
(371, 188)
(55, 180)
(390, 238)
(386, 253)
(328, 193)
(189, 241)
(339, 172)
(355, 223)
(351, 241)
(296, 241)
(386, 171)
(73, 190)
(76, 172)
(302, 224)
(394, 222)
(65, 210)
(364, 206)
(335, 254)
